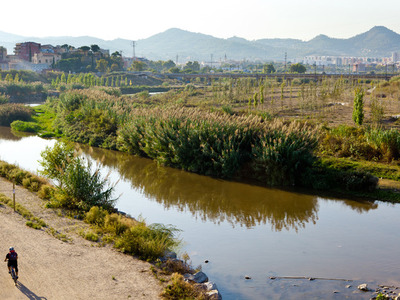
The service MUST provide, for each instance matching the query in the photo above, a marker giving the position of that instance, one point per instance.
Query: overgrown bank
(107, 226)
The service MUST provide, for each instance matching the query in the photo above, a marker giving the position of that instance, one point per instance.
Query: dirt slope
(78, 269)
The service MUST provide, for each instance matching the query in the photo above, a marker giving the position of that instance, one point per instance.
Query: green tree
(138, 66)
(192, 66)
(63, 78)
(255, 98)
(84, 48)
(102, 65)
(174, 70)
(79, 185)
(168, 65)
(55, 160)
(297, 68)
(269, 68)
(95, 48)
(358, 107)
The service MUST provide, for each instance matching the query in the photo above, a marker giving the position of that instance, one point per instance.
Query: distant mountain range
(181, 45)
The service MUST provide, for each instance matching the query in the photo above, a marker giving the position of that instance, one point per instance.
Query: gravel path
(77, 269)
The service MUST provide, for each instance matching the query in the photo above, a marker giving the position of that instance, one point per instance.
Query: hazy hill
(183, 45)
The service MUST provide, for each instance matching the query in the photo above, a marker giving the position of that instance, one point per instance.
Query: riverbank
(71, 269)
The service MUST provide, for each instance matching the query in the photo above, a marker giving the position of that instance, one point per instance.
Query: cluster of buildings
(36, 57)
(357, 64)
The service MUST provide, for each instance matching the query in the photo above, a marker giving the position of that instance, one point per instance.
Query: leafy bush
(96, 215)
(117, 224)
(148, 242)
(4, 98)
(79, 185)
(25, 126)
(90, 236)
(180, 289)
(46, 191)
(364, 143)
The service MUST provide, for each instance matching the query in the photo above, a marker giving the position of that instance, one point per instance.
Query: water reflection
(217, 200)
(7, 134)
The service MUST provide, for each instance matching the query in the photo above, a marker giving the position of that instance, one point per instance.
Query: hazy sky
(250, 19)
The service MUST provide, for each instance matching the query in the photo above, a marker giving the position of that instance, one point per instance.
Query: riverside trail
(53, 269)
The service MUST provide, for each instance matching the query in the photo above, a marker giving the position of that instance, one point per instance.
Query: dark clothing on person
(12, 260)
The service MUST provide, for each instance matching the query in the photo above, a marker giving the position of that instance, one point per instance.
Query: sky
(249, 19)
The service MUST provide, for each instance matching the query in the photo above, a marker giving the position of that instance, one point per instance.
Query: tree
(269, 68)
(116, 58)
(168, 64)
(192, 66)
(358, 107)
(94, 48)
(102, 65)
(174, 70)
(138, 66)
(84, 48)
(79, 185)
(297, 68)
(116, 54)
(55, 160)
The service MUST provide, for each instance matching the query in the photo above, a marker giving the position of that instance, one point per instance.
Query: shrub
(25, 126)
(4, 98)
(45, 191)
(96, 215)
(79, 185)
(90, 236)
(115, 224)
(17, 175)
(180, 289)
(148, 242)
(358, 110)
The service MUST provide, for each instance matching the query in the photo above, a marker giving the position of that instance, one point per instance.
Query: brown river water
(245, 230)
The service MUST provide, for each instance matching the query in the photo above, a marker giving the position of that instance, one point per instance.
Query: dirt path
(52, 269)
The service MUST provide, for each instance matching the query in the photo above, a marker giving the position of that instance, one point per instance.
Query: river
(245, 230)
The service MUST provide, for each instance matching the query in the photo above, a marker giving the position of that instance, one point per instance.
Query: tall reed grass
(13, 112)
(218, 144)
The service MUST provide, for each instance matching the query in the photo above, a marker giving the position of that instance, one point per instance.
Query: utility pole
(211, 60)
(284, 71)
(133, 46)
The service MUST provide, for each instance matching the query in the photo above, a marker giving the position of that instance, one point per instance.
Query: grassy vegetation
(262, 130)
(180, 289)
(32, 221)
(13, 112)
(25, 126)
(20, 177)
(148, 242)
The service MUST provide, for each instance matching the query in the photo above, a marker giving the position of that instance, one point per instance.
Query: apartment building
(26, 51)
